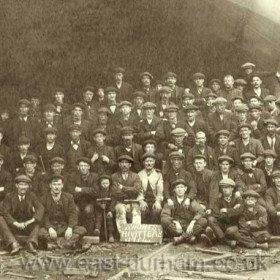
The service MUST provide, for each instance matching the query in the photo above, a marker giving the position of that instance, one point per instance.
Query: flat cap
(275, 174)
(199, 156)
(139, 94)
(188, 95)
(211, 94)
(219, 100)
(244, 125)
(55, 177)
(277, 101)
(165, 89)
(59, 89)
(150, 141)
(127, 130)
(23, 178)
(103, 110)
(225, 158)
(169, 75)
(269, 153)
(237, 98)
(270, 98)
(148, 155)
(75, 127)
(24, 140)
(254, 96)
(149, 105)
(256, 106)
(240, 82)
(99, 130)
(178, 182)
(172, 108)
(118, 70)
(110, 89)
(49, 107)
(223, 132)
(250, 193)
(88, 88)
(176, 154)
(50, 130)
(146, 74)
(125, 157)
(57, 160)
(24, 102)
(242, 108)
(247, 155)
(227, 182)
(103, 177)
(178, 132)
(256, 75)
(79, 105)
(248, 65)
(190, 108)
(83, 159)
(271, 121)
(198, 76)
(215, 81)
(125, 103)
(30, 158)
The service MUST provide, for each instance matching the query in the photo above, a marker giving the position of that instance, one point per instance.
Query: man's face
(271, 129)
(5, 116)
(200, 140)
(228, 82)
(276, 181)
(254, 101)
(59, 96)
(236, 103)
(171, 81)
(158, 86)
(23, 148)
(150, 148)
(215, 86)
(105, 184)
(220, 107)
(269, 160)
(150, 113)
(57, 168)
(102, 118)
(127, 139)
(139, 101)
(30, 166)
(100, 93)
(176, 163)
(191, 115)
(270, 105)
(227, 191)
(172, 115)
(77, 112)
(50, 137)
(23, 110)
(149, 163)
(75, 134)
(118, 77)
(250, 201)
(199, 164)
(247, 163)
(22, 188)
(240, 87)
(124, 165)
(223, 140)
(56, 186)
(146, 81)
(209, 101)
(83, 168)
(35, 102)
(187, 101)
(88, 95)
(180, 190)
(165, 96)
(99, 138)
(111, 95)
(256, 82)
(241, 115)
(225, 166)
(255, 114)
(178, 140)
(245, 132)
(199, 82)
(248, 71)
(49, 115)
(125, 109)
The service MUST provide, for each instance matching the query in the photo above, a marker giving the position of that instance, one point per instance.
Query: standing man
(146, 87)
(257, 89)
(170, 80)
(199, 91)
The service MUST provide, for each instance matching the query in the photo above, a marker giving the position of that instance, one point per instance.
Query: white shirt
(50, 146)
(271, 141)
(258, 91)
(21, 198)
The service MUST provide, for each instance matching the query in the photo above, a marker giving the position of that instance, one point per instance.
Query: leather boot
(263, 246)
(15, 248)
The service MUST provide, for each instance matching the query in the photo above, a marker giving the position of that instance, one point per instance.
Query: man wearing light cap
(241, 85)
(270, 105)
(126, 118)
(209, 105)
(23, 213)
(170, 80)
(151, 192)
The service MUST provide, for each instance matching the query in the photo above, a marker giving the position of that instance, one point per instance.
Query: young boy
(253, 223)
(104, 183)
(181, 222)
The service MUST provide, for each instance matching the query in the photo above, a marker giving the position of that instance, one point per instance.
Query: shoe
(15, 248)
(96, 232)
(111, 238)
(210, 233)
(31, 249)
(206, 240)
(178, 240)
(231, 243)
(263, 246)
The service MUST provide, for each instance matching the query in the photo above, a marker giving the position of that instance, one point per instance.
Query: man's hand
(19, 225)
(153, 132)
(68, 233)
(120, 186)
(105, 159)
(237, 206)
(172, 146)
(189, 230)
(143, 206)
(255, 162)
(94, 157)
(170, 202)
(157, 206)
(78, 189)
(178, 227)
(237, 194)
(208, 211)
(110, 214)
(223, 210)
(248, 223)
(52, 233)
(187, 203)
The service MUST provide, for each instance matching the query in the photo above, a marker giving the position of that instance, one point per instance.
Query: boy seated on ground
(226, 211)
(181, 222)
(253, 223)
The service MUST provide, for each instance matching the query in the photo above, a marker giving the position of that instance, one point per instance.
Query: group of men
(204, 162)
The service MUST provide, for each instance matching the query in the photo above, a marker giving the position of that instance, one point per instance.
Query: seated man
(61, 217)
(253, 223)
(23, 213)
(6, 181)
(182, 223)
(151, 193)
(126, 185)
(226, 212)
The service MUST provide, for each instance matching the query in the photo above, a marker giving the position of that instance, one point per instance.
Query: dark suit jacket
(266, 146)
(34, 208)
(176, 95)
(85, 124)
(264, 92)
(146, 128)
(200, 97)
(229, 94)
(272, 198)
(69, 209)
(230, 151)
(125, 92)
